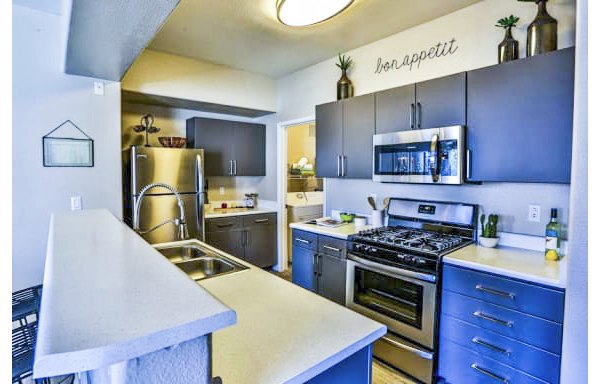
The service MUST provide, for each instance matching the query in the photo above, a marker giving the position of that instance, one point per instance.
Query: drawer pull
(494, 348)
(225, 225)
(483, 316)
(332, 248)
(508, 295)
(489, 374)
(302, 241)
(258, 221)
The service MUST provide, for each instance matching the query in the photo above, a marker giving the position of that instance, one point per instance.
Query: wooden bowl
(172, 141)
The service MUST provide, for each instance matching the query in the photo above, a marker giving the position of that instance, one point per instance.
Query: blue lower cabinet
(521, 356)
(355, 369)
(459, 365)
(303, 268)
(529, 329)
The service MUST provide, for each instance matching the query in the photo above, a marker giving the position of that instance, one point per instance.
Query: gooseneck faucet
(182, 232)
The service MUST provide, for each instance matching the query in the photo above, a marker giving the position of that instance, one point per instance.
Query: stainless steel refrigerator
(181, 168)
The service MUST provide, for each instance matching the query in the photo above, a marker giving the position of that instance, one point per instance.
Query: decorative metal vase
(541, 33)
(345, 89)
(508, 49)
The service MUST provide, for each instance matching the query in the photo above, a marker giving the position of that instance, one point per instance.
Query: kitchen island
(113, 305)
(114, 308)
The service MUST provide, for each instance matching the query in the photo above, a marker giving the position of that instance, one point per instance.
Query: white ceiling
(245, 34)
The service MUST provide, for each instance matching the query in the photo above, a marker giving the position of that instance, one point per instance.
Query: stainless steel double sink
(197, 262)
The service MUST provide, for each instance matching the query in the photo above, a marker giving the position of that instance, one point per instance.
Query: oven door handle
(376, 267)
(423, 354)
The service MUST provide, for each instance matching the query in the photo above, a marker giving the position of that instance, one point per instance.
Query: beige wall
(158, 73)
(301, 143)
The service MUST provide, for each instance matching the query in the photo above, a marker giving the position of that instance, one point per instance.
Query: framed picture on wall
(68, 151)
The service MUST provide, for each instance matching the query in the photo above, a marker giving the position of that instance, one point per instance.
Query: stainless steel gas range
(393, 274)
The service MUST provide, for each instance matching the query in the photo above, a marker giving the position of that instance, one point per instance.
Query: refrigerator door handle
(200, 194)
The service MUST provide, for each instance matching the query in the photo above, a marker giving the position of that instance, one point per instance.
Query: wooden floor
(382, 374)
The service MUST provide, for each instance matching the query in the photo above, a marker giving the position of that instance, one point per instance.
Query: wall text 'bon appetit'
(438, 50)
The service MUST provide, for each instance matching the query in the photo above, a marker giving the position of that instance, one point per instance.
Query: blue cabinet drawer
(529, 329)
(332, 246)
(459, 365)
(529, 298)
(524, 357)
(304, 239)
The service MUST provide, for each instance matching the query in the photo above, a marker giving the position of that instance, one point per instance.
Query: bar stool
(25, 309)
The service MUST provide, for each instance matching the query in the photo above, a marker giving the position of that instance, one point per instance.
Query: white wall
(172, 122)
(477, 40)
(159, 73)
(575, 338)
(44, 97)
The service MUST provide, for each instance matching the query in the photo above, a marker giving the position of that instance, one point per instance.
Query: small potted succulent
(345, 88)
(489, 237)
(508, 49)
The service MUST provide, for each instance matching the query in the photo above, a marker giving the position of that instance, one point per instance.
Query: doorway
(300, 194)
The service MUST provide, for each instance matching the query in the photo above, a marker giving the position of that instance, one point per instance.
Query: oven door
(421, 156)
(403, 300)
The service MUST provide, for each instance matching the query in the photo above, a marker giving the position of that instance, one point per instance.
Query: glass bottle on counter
(553, 237)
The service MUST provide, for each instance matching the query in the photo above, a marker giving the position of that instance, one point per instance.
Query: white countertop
(284, 334)
(108, 297)
(511, 262)
(341, 232)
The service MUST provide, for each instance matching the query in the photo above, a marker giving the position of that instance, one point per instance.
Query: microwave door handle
(412, 115)
(435, 162)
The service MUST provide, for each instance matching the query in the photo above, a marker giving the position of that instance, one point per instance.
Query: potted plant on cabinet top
(344, 85)
(488, 237)
(508, 49)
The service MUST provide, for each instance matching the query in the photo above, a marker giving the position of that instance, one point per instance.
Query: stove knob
(421, 261)
(373, 249)
(401, 256)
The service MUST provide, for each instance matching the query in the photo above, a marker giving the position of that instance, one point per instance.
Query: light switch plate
(99, 88)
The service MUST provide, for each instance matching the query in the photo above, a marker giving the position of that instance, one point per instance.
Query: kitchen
(293, 97)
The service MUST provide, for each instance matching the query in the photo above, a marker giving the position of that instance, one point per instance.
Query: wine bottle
(553, 237)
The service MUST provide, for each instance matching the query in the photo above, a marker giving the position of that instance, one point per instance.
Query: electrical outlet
(75, 203)
(221, 191)
(534, 213)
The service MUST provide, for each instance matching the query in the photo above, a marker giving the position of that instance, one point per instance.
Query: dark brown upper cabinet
(345, 131)
(231, 148)
(429, 104)
(520, 119)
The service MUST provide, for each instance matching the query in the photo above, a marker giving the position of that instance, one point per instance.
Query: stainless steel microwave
(426, 156)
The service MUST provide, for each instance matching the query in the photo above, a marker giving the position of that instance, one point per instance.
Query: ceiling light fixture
(299, 13)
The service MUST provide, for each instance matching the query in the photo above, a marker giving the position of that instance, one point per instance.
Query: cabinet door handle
(332, 248)
(315, 265)
(419, 115)
(489, 374)
(248, 238)
(344, 166)
(225, 225)
(412, 114)
(230, 170)
(302, 241)
(468, 161)
(258, 221)
(320, 264)
(490, 346)
(339, 173)
(483, 316)
(491, 291)
(234, 167)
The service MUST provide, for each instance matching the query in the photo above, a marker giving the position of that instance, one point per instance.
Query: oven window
(390, 296)
(415, 159)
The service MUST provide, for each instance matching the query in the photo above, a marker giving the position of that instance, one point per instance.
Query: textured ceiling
(245, 34)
